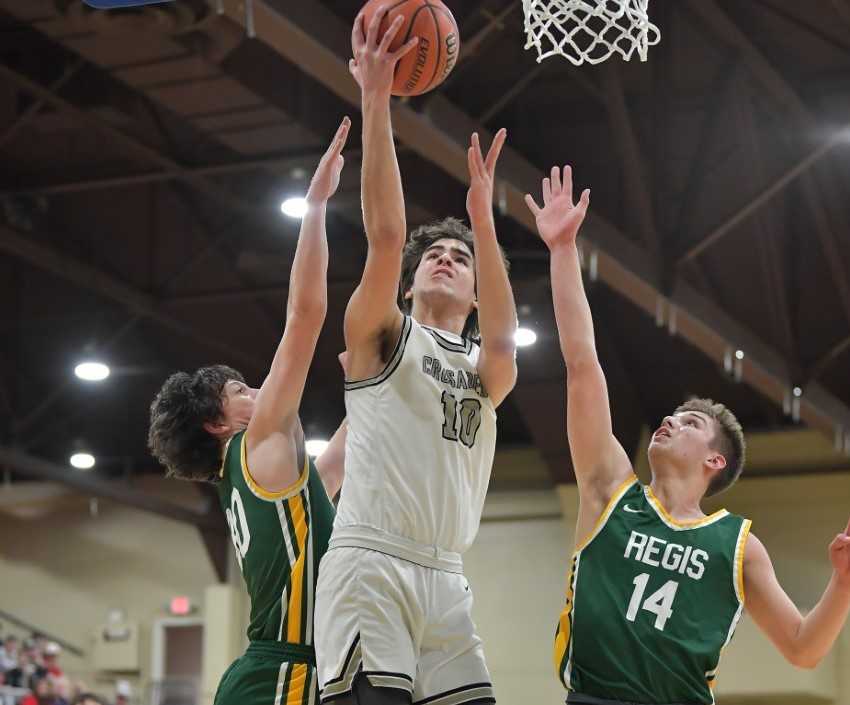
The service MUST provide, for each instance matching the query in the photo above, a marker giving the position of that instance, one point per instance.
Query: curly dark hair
(728, 439)
(420, 240)
(177, 437)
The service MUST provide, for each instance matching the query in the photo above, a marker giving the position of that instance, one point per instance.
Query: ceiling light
(524, 337)
(82, 461)
(92, 371)
(315, 447)
(294, 207)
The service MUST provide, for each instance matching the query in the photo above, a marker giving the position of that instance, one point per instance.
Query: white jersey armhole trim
(392, 363)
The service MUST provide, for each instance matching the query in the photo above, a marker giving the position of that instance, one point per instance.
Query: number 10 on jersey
(461, 419)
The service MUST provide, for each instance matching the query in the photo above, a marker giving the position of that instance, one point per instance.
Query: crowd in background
(30, 674)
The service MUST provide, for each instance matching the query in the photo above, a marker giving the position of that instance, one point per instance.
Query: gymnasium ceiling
(145, 154)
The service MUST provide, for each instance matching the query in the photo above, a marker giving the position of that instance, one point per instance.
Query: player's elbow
(307, 311)
(802, 658)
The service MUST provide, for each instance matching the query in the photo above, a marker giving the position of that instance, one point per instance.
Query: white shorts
(401, 625)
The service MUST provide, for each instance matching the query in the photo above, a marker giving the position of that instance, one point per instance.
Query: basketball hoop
(589, 30)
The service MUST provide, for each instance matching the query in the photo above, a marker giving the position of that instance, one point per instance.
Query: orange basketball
(427, 66)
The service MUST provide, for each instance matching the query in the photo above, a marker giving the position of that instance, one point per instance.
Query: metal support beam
(302, 158)
(309, 34)
(636, 184)
(33, 109)
(150, 154)
(117, 491)
(87, 277)
(839, 137)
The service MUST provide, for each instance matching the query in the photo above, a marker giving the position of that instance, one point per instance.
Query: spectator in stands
(9, 654)
(30, 666)
(88, 699)
(51, 655)
(123, 693)
(42, 693)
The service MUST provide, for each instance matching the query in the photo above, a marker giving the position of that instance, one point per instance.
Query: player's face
(686, 439)
(447, 267)
(238, 404)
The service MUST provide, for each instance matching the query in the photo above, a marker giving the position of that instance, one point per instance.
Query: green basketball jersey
(651, 602)
(279, 537)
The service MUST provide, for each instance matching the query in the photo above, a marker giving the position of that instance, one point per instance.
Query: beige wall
(64, 570)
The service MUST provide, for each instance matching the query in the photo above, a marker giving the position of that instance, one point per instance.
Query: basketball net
(589, 30)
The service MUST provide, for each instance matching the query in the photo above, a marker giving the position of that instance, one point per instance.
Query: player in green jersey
(212, 427)
(655, 586)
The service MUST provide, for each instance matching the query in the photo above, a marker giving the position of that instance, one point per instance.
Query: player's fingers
(555, 178)
(405, 49)
(568, 181)
(495, 151)
(547, 191)
(358, 35)
(584, 201)
(479, 157)
(470, 163)
(847, 530)
(532, 205)
(389, 35)
(340, 137)
(374, 25)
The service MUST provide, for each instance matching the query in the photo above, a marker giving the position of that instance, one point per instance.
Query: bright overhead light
(92, 371)
(524, 337)
(82, 461)
(316, 447)
(739, 354)
(294, 207)
(797, 392)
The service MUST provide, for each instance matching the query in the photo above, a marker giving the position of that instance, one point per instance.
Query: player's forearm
(821, 627)
(308, 290)
(497, 319)
(381, 189)
(572, 310)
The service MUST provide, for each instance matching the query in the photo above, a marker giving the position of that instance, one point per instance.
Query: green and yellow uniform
(279, 537)
(651, 603)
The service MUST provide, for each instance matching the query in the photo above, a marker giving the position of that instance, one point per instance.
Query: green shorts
(270, 673)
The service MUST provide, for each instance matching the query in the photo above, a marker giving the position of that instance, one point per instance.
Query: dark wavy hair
(728, 439)
(420, 240)
(177, 437)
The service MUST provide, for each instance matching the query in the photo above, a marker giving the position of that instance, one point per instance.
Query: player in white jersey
(393, 609)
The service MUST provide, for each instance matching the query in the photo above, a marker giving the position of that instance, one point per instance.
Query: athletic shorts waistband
(283, 650)
(398, 546)
(581, 699)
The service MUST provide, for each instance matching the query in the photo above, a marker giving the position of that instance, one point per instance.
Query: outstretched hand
(559, 220)
(479, 198)
(325, 180)
(373, 65)
(839, 554)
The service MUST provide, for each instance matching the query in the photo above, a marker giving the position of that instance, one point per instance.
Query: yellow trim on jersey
(739, 559)
(603, 518)
(297, 682)
(562, 636)
(293, 618)
(267, 494)
(691, 523)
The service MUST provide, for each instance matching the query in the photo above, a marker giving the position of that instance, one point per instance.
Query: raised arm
(803, 641)
(331, 463)
(496, 309)
(273, 437)
(599, 460)
(372, 312)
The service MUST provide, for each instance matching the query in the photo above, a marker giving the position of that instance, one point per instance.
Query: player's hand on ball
(559, 220)
(326, 179)
(479, 198)
(373, 65)
(839, 554)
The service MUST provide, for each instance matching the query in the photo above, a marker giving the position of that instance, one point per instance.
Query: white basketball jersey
(421, 438)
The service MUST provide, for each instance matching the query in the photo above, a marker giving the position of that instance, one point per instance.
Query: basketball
(427, 66)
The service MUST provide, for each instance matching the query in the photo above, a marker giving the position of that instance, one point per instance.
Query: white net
(589, 30)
